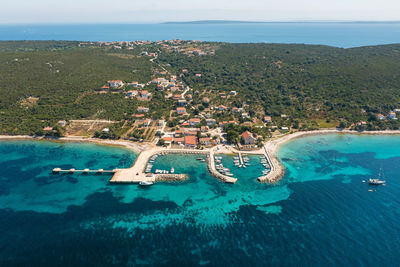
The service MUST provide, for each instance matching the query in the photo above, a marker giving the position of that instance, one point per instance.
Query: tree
(232, 137)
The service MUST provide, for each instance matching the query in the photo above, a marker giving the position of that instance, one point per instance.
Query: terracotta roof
(190, 140)
(247, 134)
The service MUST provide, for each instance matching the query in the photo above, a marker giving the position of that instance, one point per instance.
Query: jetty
(240, 158)
(276, 171)
(212, 169)
(72, 170)
(137, 173)
(141, 171)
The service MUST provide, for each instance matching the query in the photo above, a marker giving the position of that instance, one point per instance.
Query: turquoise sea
(340, 34)
(320, 213)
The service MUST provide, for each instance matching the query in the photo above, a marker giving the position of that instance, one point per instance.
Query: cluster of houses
(391, 115)
(195, 48)
(190, 137)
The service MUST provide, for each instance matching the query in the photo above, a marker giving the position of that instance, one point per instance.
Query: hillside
(314, 86)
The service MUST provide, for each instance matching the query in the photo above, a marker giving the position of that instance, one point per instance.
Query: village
(194, 118)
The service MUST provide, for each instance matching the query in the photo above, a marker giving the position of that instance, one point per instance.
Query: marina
(142, 169)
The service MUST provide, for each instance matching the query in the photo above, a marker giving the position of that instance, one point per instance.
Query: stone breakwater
(215, 173)
(277, 170)
(170, 177)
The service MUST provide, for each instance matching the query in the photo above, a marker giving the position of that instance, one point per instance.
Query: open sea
(332, 33)
(320, 214)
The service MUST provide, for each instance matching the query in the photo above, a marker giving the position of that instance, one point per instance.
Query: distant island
(212, 22)
(257, 22)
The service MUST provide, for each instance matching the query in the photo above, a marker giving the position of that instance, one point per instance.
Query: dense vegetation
(64, 81)
(43, 82)
(306, 82)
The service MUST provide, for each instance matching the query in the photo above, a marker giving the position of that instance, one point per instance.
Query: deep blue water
(320, 213)
(333, 34)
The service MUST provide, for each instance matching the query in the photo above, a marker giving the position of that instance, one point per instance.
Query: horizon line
(210, 21)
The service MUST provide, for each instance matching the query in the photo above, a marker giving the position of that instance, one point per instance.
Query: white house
(142, 109)
(115, 83)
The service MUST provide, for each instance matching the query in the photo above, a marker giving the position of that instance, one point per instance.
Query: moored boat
(145, 183)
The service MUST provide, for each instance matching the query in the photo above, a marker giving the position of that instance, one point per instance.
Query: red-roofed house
(180, 111)
(267, 119)
(206, 141)
(204, 129)
(194, 121)
(177, 97)
(248, 138)
(179, 140)
(190, 141)
(221, 107)
(146, 122)
(115, 83)
(167, 140)
(142, 109)
(144, 94)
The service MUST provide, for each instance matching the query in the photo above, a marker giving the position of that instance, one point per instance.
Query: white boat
(372, 181)
(172, 170)
(377, 181)
(146, 183)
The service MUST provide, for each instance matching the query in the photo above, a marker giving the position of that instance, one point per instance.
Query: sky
(134, 11)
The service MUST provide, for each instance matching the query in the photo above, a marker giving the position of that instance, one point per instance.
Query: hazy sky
(116, 11)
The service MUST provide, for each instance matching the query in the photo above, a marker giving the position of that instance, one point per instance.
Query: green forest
(43, 82)
(303, 81)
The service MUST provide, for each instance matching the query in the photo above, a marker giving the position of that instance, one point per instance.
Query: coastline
(135, 147)
(272, 146)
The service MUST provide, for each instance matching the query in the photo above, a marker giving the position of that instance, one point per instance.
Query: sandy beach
(134, 146)
(272, 146)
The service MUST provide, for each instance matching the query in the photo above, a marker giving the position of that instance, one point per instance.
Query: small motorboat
(372, 181)
(145, 183)
(377, 181)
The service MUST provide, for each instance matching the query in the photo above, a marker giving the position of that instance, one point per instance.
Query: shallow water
(321, 212)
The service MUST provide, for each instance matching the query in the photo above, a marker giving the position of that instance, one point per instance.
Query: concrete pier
(274, 174)
(240, 158)
(72, 170)
(215, 173)
(136, 173)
